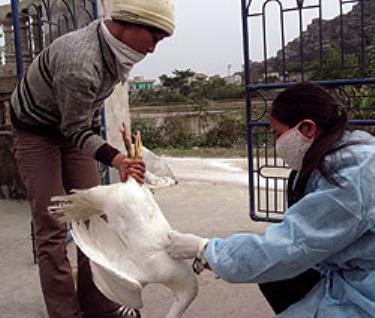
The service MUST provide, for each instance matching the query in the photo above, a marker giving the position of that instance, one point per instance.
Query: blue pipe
(354, 122)
(17, 38)
(95, 10)
(362, 122)
(103, 128)
(249, 127)
(362, 81)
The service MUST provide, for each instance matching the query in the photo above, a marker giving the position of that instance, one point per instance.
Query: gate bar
(17, 37)
(363, 81)
(249, 130)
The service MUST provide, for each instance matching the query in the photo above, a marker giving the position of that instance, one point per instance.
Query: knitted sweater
(64, 88)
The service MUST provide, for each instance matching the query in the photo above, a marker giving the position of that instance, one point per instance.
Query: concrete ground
(205, 206)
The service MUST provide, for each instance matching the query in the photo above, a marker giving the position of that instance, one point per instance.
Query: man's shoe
(120, 312)
(124, 312)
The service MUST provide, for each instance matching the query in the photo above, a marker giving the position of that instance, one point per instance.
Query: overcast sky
(207, 38)
(208, 35)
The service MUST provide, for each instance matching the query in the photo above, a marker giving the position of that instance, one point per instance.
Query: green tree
(334, 67)
(180, 82)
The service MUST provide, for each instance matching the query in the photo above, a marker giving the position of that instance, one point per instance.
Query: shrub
(170, 134)
(228, 132)
(151, 133)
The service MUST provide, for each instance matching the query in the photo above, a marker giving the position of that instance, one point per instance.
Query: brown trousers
(52, 166)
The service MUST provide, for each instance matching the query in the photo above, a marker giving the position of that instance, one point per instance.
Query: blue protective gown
(331, 229)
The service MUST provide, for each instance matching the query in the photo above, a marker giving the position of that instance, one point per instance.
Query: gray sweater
(64, 88)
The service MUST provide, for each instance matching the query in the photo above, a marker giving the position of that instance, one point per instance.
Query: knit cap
(155, 13)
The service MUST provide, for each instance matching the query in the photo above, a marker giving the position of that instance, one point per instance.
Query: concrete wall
(195, 119)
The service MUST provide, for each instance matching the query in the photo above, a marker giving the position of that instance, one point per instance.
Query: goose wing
(114, 272)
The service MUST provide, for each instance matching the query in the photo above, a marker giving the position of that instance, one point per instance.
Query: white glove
(185, 246)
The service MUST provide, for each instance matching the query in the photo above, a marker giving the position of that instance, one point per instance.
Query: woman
(330, 228)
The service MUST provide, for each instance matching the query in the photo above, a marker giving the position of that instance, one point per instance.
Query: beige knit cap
(155, 13)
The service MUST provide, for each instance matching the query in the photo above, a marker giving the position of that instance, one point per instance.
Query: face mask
(126, 57)
(292, 147)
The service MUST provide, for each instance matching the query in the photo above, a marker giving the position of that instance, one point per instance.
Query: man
(56, 117)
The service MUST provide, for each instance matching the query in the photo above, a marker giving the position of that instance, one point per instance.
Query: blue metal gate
(38, 22)
(332, 43)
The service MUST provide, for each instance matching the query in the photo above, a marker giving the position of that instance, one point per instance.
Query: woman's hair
(311, 101)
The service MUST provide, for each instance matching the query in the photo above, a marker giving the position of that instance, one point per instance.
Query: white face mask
(126, 57)
(292, 146)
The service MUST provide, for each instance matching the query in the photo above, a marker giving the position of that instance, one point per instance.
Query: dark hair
(311, 101)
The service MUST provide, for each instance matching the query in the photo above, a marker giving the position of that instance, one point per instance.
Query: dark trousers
(52, 166)
(282, 294)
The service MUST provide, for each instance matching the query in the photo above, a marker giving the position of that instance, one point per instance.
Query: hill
(343, 39)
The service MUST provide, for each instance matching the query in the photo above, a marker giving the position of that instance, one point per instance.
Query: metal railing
(45, 20)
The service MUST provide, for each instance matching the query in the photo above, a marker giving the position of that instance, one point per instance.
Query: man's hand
(185, 246)
(129, 168)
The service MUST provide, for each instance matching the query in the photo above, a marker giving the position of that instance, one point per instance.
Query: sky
(208, 35)
(207, 38)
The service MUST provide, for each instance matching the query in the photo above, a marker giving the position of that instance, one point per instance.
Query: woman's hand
(129, 168)
(185, 246)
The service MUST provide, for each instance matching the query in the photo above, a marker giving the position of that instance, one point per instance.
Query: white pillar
(117, 112)
(116, 106)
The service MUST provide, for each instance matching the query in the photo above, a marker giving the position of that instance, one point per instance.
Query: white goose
(126, 250)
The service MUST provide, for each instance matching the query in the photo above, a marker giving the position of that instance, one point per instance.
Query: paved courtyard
(205, 206)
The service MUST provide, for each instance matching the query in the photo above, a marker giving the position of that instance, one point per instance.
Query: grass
(202, 152)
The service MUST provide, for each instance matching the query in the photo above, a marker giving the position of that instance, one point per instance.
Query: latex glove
(129, 168)
(185, 246)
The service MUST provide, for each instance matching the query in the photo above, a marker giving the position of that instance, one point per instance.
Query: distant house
(215, 77)
(200, 76)
(139, 82)
(233, 79)
(197, 77)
